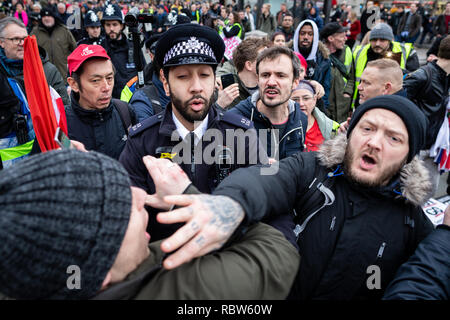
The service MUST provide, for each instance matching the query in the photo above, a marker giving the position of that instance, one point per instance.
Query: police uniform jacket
(97, 41)
(118, 51)
(146, 137)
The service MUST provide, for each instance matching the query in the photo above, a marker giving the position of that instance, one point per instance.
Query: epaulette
(145, 124)
(235, 119)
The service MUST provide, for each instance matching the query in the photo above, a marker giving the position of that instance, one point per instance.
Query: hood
(312, 55)
(415, 181)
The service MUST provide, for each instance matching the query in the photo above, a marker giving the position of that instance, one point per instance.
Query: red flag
(39, 97)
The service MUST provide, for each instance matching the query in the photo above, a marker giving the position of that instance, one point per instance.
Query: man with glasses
(12, 35)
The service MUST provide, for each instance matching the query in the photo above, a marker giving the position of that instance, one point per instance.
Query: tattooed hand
(210, 221)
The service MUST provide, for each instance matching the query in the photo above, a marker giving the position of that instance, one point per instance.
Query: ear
(2, 43)
(248, 65)
(73, 84)
(106, 281)
(295, 83)
(387, 88)
(165, 82)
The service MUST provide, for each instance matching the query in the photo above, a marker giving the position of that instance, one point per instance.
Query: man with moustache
(93, 118)
(185, 131)
(119, 48)
(270, 108)
(352, 245)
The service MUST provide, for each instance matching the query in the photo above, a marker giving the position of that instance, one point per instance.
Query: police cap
(91, 19)
(112, 12)
(189, 44)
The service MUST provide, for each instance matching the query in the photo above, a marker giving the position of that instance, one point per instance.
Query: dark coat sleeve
(234, 31)
(426, 275)
(269, 190)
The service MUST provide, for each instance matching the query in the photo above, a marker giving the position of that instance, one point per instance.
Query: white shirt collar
(199, 131)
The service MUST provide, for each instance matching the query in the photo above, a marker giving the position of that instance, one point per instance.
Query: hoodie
(319, 64)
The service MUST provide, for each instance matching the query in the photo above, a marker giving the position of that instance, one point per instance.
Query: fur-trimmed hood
(415, 180)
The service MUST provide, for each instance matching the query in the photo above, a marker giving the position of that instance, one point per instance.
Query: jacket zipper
(333, 222)
(381, 250)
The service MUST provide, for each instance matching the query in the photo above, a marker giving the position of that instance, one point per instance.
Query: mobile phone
(62, 140)
(227, 80)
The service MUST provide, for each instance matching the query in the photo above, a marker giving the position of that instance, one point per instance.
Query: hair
(236, 17)
(444, 49)
(390, 69)
(247, 50)
(287, 14)
(353, 16)
(277, 33)
(7, 21)
(274, 52)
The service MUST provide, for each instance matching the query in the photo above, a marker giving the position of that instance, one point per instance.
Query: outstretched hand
(169, 179)
(209, 223)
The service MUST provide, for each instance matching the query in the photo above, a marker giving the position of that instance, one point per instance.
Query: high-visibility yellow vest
(239, 35)
(360, 56)
(128, 89)
(9, 154)
(348, 60)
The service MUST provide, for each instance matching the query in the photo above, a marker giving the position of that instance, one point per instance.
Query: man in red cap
(93, 117)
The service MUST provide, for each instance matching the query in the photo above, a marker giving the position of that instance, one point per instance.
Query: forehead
(370, 72)
(306, 28)
(302, 92)
(385, 118)
(280, 63)
(97, 66)
(191, 68)
(14, 29)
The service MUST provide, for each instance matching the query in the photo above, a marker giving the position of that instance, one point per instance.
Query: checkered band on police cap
(191, 46)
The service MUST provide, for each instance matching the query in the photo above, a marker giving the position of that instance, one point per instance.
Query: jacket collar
(413, 182)
(90, 115)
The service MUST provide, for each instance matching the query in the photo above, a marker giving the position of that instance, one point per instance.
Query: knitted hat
(59, 209)
(414, 119)
(382, 31)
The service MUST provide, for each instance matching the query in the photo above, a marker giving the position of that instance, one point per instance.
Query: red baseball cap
(84, 52)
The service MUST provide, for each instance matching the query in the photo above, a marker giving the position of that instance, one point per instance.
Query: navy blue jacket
(294, 138)
(426, 275)
(146, 137)
(99, 130)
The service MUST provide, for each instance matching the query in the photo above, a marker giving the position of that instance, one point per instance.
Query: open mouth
(271, 93)
(368, 162)
(197, 104)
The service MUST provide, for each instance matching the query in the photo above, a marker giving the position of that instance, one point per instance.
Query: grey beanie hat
(382, 31)
(59, 209)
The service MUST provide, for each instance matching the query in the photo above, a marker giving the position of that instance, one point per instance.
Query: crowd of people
(237, 153)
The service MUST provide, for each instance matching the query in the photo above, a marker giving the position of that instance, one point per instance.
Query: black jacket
(429, 101)
(426, 275)
(118, 51)
(154, 133)
(99, 130)
(363, 227)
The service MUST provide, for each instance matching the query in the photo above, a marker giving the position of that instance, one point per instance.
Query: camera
(133, 18)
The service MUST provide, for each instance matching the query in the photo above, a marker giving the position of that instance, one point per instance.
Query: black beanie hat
(61, 208)
(414, 119)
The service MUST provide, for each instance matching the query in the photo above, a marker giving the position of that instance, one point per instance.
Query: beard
(183, 107)
(383, 179)
(273, 104)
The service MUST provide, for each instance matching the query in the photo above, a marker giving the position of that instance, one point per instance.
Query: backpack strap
(124, 112)
(152, 94)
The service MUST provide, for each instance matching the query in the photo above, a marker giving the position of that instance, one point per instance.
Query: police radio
(224, 161)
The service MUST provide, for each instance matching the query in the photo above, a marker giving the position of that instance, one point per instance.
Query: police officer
(188, 55)
(93, 28)
(119, 48)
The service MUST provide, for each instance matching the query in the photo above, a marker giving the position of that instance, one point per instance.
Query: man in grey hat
(72, 228)
(382, 45)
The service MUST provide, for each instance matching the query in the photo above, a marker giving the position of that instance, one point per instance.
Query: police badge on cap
(91, 19)
(189, 44)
